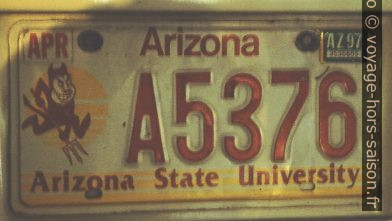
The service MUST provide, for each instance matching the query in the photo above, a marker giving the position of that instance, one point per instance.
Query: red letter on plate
(34, 46)
(289, 77)
(244, 117)
(146, 107)
(47, 42)
(328, 107)
(184, 107)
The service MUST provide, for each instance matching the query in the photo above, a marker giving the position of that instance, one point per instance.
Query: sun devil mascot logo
(55, 105)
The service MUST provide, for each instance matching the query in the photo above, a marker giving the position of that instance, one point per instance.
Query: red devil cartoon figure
(55, 104)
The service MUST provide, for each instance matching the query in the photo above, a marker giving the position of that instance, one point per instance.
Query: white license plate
(131, 115)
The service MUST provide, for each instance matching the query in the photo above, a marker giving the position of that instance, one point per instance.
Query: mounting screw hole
(93, 194)
(307, 186)
(90, 41)
(307, 41)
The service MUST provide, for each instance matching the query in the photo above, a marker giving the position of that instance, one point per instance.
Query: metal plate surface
(225, 114)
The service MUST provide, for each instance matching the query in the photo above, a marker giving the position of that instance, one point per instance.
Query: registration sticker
(341, 46)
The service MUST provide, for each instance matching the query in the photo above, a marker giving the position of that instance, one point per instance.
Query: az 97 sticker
(341, 46)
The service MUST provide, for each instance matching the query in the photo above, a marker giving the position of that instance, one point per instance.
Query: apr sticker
(61, 109)
(341, 46)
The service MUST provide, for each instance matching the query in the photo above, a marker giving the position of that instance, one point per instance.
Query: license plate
(146, 115)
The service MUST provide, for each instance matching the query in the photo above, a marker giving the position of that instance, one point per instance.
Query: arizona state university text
(175, 178)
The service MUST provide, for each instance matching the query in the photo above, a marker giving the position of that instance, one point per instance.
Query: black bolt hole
(307, 41)
(93, 194)
(307, 186)
(90, 41)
